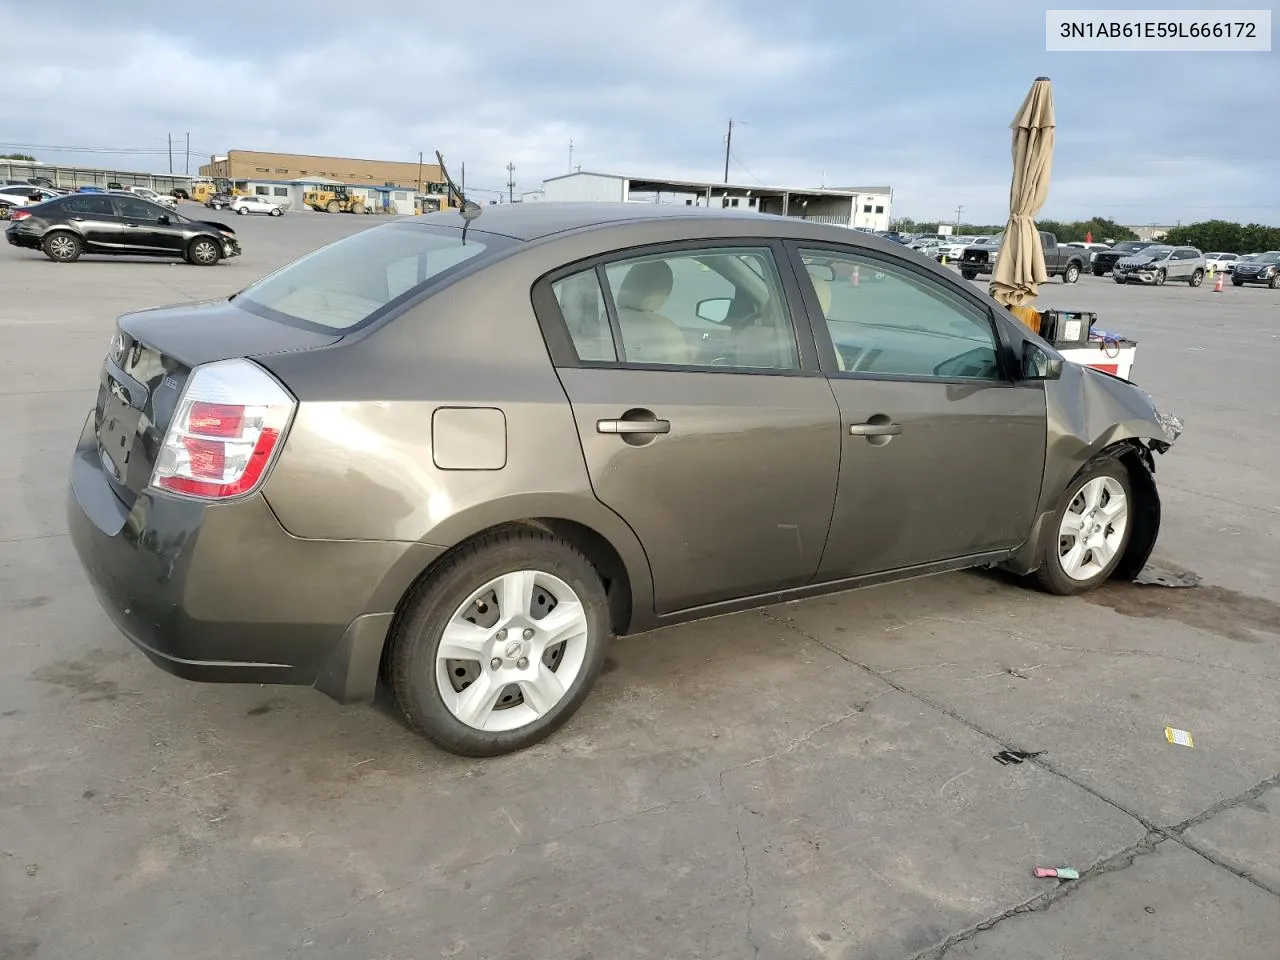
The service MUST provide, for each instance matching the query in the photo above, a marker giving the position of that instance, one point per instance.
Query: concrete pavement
(812, 780)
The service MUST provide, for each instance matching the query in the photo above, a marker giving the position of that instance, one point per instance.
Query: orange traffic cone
(1217, 286)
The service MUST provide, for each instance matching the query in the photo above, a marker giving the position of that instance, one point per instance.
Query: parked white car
(19, 195)
(1220, 262)
(256, 204)
(952, 249)
(146, 193)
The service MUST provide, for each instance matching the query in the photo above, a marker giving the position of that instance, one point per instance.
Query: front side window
(135, 208)
(890, 321)
(341, 286)
(720, 307)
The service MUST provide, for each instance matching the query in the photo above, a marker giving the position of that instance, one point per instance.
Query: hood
(216, 224)
(1138, 260)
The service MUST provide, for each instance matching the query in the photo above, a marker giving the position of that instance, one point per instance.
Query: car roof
(532, 221)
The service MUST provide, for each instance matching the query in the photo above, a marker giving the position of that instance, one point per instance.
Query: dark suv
(69, 226)
(1104, 261)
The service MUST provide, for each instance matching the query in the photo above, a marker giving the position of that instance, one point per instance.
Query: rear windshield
(343, 285)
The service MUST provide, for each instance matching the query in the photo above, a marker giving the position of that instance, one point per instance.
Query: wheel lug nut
(502, 634)
(495, 663)
(523, 663)
(528, 633)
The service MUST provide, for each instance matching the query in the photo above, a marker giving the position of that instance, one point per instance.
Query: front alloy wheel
(1092, 530)
(1160, 278)
(204, 252)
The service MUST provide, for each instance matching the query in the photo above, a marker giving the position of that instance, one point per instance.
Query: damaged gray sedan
(456, 458)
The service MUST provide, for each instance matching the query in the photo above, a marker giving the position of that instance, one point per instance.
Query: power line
(748, 172)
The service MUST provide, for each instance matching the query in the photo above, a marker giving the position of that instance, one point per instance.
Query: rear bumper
(222, 593)
(19, 237)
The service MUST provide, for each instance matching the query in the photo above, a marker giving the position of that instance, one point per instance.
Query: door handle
(633, 426)
(875, 429)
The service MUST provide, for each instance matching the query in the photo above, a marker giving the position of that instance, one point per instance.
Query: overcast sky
(918, 94)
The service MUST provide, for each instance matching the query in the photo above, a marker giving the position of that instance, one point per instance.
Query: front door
(705, 424)
(142, 227)
(941, 452)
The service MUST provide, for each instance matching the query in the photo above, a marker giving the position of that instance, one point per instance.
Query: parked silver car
(1156, 264)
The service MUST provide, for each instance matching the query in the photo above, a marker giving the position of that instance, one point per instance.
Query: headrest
(823, 289)
(646, 287)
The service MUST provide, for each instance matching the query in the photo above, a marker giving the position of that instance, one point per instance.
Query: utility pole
(728, 142)
(959, 209)
(571, 156)
(187, 166)
(171, 153)
(420, 187)
(511, 182)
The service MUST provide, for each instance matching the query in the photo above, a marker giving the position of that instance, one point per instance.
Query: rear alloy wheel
(1072, 274)
(501, 645)
(62, 247)
(1160, 278)
(203, 252)
(1090, 530)
(1197, 278)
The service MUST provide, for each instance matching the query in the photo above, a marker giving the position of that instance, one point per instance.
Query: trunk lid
(151, 356)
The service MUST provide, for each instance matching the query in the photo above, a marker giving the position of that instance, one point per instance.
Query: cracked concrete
(815, 781)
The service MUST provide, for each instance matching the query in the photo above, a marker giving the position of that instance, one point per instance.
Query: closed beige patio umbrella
(1020, 267)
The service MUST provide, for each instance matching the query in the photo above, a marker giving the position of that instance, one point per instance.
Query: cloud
(822, 92)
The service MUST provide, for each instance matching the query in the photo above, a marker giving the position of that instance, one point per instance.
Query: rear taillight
(17, 213)
(225, 433)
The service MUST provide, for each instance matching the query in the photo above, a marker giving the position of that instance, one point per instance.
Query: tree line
(1225, 237)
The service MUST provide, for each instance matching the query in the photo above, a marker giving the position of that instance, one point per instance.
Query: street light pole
(728, 142)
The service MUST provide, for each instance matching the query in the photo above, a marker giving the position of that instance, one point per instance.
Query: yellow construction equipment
(333, 199)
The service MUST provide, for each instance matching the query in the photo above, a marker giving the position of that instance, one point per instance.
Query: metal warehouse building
(867, 208)
(70, 177)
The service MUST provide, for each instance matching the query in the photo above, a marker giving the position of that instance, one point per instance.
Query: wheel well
(596, 548)
(1140, 464)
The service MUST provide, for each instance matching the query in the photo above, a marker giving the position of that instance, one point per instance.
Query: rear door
(95, 218)
(942, 454)
(704, 419)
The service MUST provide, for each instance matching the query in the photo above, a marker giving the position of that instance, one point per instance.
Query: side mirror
(714, 310)
(1038, 364)
(163, 219)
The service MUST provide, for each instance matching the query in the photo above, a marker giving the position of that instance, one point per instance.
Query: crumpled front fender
(1093, 414)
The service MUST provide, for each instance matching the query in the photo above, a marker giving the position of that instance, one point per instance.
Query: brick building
(259, 165)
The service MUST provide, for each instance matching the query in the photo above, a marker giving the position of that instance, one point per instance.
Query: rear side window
(90, 205)
(343, 285)
(582, 304)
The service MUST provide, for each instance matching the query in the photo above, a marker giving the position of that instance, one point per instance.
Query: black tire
(1197, 278)
(357, 208)
(969, 274)
(1160, 278)
(1237, 283)
(1274, 282)
(62, 246)
(431, 604)
(1051, 575)
(241, 210)
(1120, 280)
(1099, 271)
(332, 207)
(203, 252)
(1071, 274)
(276, 211)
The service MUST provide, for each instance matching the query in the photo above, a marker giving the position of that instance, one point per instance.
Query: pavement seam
(960, 718)
(1155, 834)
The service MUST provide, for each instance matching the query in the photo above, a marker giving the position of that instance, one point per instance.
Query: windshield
(341, 286)
(988, 241)
(1128, 246)
(1271, 256)
(1156, 253)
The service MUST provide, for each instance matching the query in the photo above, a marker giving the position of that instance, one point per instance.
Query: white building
(866, 208)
